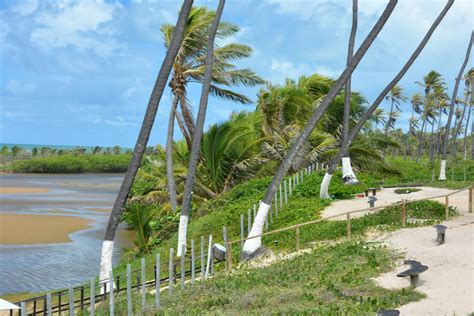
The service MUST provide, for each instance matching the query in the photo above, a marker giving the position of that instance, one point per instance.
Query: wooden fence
(297, 227)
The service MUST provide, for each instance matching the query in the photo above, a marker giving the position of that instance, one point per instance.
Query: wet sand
(13, 190)
(26, 229)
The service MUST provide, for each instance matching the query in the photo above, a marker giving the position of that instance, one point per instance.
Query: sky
(81, 72)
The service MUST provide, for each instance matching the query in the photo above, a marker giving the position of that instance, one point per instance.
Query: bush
(73, 164)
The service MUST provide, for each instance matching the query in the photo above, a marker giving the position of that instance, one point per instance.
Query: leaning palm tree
(470, 85)
(442, 172)
(150, 114)
(348, 174)
(325, 185)
(197, 135)
(252, 245)
(189, 68)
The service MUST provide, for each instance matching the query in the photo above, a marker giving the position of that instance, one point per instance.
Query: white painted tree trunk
(348, 176)
(324, 190)
(106, 260)
(252, 245)
(182, 232)
(442, 171)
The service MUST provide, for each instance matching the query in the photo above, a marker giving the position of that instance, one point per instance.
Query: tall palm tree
(416, 103)
(470, 85)
(150, 114)
(197, 135)
(381, 96)
(252, 245)
(442, 172)
(189, 68)
(395, 96)
(348, 174)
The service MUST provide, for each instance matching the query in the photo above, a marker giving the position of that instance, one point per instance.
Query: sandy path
(387, 197)
(14, 190)
(449, 281)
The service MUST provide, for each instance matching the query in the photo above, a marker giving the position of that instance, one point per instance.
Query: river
(53, 226)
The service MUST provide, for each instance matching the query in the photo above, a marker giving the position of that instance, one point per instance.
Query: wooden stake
(297, 238)
(348, 225)
(404, 215)
(171, 271)
(157, 281)
(143, 275)
(193, 262)
(129, 290)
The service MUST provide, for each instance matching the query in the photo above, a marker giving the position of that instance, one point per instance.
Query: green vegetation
(332, 279)
(73, 164)
(406, 190)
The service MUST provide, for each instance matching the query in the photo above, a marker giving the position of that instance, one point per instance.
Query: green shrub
(73, 164)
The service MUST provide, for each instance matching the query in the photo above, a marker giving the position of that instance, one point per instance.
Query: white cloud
(115, 121)
(81, 25)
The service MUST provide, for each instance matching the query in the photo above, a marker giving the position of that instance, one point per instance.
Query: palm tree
(416, 103)
(347, 173)
(395, 96)
(15, 150)
(197, 135)
(442, 172)
(150, 114)
(378, 117)
(470, 85)
(381, 96)
(96, 150)
(117, 150)
(189, 68)
(252, 245)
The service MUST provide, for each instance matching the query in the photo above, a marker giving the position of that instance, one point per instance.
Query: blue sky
(81, 72)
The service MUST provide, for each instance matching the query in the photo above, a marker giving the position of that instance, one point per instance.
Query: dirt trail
(449, 281)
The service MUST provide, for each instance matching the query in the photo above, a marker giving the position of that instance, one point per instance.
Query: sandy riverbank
(20, 190)
(27, 229)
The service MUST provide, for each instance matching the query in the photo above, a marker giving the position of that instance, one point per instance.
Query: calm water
(32, 268)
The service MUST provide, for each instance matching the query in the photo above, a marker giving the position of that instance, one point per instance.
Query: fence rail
(297, 227)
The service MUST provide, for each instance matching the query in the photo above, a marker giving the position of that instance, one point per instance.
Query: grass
(331, 280)
(74, 164)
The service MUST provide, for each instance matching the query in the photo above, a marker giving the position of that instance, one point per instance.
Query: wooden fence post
(171, 271)
(203, 260)
(286, 192)
(92, 296)
(281, 197)
(209, 257)
(289, 186)
(193, 264)
(23, 308)
(48, 305)
(242, 230)
(471, 189)
(71, 300)
(297, 238)
(111, 296)
(129, 290)
(228, 253)
(183, 265)
(348, 217)
(249, 221)
(157, 280)
(446, 208)
(404, 215)
(142, 261)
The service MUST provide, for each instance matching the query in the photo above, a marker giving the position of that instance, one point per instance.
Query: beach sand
(20, 190)
(26, 229)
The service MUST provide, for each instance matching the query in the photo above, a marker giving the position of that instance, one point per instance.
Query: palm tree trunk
(150, 114)
(442, 172)
(198, 131)
(348, 175)
(465, 130)
(457, 127)
(389, 119)
(387, 89)
(169, 155)
(421, 141)
(432, 149)
(438, 133)
(252, 245)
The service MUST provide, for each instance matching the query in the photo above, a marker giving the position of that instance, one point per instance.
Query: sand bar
(21, 190)
(26, 229)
